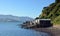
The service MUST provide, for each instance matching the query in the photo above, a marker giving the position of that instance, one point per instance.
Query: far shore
(53, 31)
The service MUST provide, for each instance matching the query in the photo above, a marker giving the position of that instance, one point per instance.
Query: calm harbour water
(11, 29)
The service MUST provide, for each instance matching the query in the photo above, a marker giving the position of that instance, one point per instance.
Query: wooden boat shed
(44, 23)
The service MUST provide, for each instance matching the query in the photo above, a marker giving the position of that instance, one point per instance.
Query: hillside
(11, 18)
(52, 12)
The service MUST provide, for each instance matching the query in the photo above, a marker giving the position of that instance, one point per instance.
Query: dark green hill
(52, 12)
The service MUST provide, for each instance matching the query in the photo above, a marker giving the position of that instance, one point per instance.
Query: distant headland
(11, 18)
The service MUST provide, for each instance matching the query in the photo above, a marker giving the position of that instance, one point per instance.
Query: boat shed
(44, 23)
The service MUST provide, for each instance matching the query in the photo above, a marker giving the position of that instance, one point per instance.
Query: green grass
(51, 12)
(57, 20)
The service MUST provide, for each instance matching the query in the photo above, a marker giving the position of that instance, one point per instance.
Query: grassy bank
(52, 12)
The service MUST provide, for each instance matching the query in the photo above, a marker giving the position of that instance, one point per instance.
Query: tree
(37, 18)
(57, 1)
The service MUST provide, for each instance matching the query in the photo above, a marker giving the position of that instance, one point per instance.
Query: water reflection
(10, 29)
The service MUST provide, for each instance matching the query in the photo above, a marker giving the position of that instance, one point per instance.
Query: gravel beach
(53, 31)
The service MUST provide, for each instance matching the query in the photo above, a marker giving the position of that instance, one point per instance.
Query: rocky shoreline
(53, 31)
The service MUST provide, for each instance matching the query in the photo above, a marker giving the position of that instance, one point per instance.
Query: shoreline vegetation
(50, 12)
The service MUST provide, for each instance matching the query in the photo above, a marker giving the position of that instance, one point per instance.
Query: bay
(12, 29)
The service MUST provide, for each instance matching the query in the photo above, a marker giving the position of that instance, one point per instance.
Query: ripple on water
(10, 29)
(22, 33)
(44, 34)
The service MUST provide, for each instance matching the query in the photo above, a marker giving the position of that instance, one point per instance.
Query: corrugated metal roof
(43, 19)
